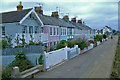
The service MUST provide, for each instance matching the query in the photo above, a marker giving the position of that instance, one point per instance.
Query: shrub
(4, 44)
(62, 41)
(69, 44)
(91, 41)
(104, 36)
(20, 55)
(81, 43)
(98, 38)
(59, 46)
(40, 60)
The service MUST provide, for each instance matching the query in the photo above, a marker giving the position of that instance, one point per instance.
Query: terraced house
(47, 29)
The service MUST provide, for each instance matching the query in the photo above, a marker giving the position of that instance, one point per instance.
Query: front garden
(21, 62)
(82, 43)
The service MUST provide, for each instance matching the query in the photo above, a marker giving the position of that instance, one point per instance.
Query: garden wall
(31, 52)
(7, 59)
(26, 50)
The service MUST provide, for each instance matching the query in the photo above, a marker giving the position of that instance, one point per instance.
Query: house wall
(52, 38)
(12, 29)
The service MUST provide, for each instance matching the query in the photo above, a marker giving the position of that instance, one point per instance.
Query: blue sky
(95, 14)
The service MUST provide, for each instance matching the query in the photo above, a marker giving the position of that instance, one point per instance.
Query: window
(24, 29)
(50, 30)
(61, 31)
(36, 29)
(57, 31)
(30, 29)
(50, 43)
(90, 32)
(3, 30)
(65, 31)
(71, 31)
(54, 43)
(54, 31)
(42, 30)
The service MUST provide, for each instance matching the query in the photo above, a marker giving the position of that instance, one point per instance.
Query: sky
(96, 13)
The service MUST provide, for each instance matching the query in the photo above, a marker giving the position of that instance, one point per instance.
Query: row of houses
(48, 29)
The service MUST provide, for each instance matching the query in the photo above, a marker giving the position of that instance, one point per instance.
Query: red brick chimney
(73, 19)
(55, 14)
(20, 7)
(80, 21)
(66, 18)
(39, 10)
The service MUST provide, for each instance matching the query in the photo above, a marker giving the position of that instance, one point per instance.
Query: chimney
(39, 10)
(66, 18)
(55, 14)
(73, 19)
(80, 21)
(20, 7)
(84, 22)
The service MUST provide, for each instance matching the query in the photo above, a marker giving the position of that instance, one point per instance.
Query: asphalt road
(96, 63)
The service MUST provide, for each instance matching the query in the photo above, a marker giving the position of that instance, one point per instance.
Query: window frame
(51, 31)
(3, 31)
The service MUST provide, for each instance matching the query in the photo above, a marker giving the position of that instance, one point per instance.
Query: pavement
(96, 63)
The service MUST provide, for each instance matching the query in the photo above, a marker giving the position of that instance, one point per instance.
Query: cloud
(95, 14)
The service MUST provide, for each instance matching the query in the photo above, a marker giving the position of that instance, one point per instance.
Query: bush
(4, 44)
(81, 43)
(40, 60)
(98, 38)
(69, 44)
(91, 41)
(104, 36)
(20, 55)
(59, 46)
(62, 41)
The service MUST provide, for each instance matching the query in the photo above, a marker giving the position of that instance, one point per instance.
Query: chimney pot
(73, 19)
(66, 18)
(39, 10)
(20, 7)
(55, 14)
(80, 21)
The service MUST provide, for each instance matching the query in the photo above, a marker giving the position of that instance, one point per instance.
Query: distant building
(107, 29)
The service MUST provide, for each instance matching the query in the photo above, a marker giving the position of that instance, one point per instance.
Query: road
(96, 63)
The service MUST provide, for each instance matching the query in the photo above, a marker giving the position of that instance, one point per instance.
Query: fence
(26, 50)
(72, 52)
(55, 57)
(90, 47)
